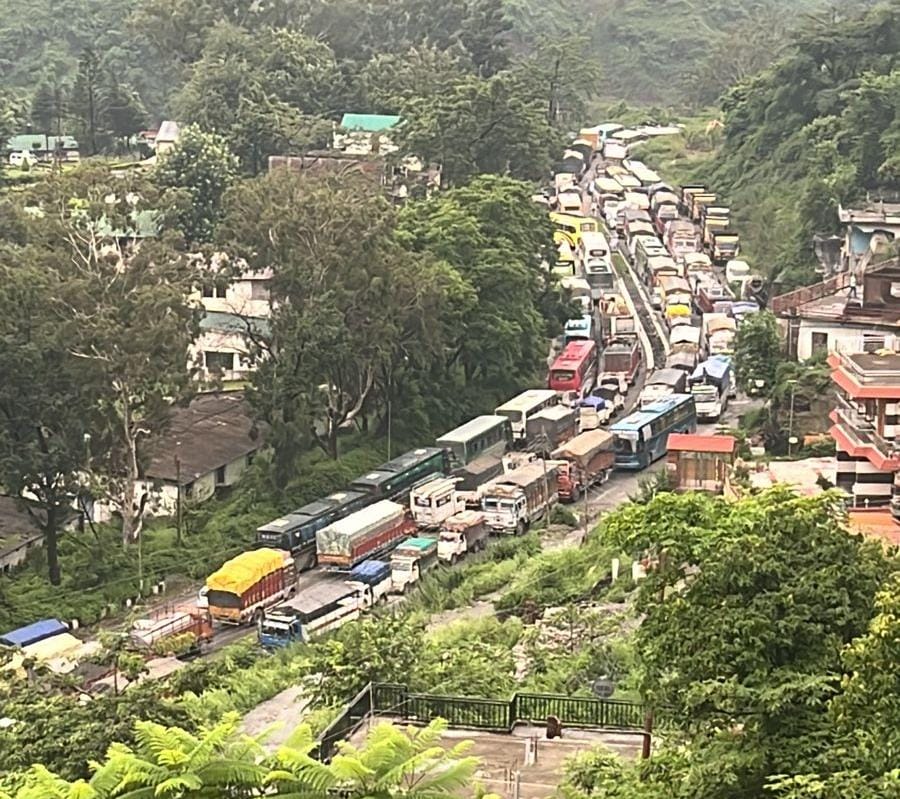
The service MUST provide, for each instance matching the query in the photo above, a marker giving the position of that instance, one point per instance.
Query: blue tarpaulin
(33, 633)
(370, 571)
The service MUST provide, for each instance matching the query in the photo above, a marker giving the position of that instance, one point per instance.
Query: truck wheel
(576, 494)
(520, 528)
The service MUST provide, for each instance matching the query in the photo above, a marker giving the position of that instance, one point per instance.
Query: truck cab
(410, 561)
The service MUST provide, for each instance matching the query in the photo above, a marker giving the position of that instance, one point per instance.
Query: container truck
(463, 533)
(711, 384)
(410, 560)
(549, 428)
(513, 502)
(312, 612)
(726, 246)
(621, 359)
(364, 534)
(246, 585)
(435, 501)
(585, 461)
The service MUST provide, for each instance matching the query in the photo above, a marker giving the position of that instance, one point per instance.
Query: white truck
(435, 501)
(711, 385)
(719, 331)
(463, 533)
(511, 503)
(410, 560)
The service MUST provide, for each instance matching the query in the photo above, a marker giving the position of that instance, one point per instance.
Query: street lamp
(791, 438)
(178, 492)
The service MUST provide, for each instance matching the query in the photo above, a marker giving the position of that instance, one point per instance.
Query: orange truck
(246, 585)
(583, 461)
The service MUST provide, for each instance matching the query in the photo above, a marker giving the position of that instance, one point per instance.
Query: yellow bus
(567, 228)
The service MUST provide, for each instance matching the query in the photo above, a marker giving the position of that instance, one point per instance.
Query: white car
(22, 158)
(656, 298)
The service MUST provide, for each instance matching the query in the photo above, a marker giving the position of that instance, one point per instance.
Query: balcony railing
(862, 430)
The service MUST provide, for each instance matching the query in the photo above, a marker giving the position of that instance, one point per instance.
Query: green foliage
(757, 353)
(202, 165)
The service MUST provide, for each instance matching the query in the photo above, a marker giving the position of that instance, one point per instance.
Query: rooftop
(875, 523)
(168, 132)
(474, 427)
(40, 142)
(686, 442)
(213, 431)
(803, 475)
(867, 375)
(370, 123)
(872, 212)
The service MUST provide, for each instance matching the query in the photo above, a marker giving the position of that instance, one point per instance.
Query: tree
(123, 111)
(87, 100)
(262, 92)
(346, 297)
(202, 165)
(496, 125)
(390, 81)
(485, 34)
(747, 610)
(45, 413)
(125, 314)
(757, 353)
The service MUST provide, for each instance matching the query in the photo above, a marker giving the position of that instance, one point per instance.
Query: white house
(365, 134)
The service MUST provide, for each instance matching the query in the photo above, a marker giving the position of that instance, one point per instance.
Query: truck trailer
(410, 560)
(585, 461)
(361, 535)
(246, 585)
(461, 534)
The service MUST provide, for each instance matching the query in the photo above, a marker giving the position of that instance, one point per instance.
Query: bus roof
(649, 413)
(474, 427)
(409, 459)
(525, 400)
(574, 353)
(283, 524)
(339, 499)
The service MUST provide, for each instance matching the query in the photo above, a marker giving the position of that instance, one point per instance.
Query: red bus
(575, 369)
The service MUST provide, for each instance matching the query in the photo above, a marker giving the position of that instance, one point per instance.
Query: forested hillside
(820, 127)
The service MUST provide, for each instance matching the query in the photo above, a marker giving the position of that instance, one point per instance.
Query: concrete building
(856, 311)
(866, 424)
(208, 446)
(700, 463)
(365, 134)
(865, 229)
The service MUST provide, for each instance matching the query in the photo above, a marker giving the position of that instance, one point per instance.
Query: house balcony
(856, 435)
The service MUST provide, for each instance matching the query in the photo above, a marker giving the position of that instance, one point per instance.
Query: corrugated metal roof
(474, 427)
(33, 633)
(371, 123)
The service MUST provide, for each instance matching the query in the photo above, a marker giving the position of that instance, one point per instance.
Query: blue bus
(643, 436)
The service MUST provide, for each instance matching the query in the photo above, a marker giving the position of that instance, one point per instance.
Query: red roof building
(866, 424)
(700, 463)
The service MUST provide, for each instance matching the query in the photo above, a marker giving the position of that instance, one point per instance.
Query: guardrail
(494, 715)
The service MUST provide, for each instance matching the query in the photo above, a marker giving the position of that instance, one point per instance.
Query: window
(872, 343)
(214, 291)
(220, 476)
(895, 289)
(218, 361)
(259, 290)
(819, 342)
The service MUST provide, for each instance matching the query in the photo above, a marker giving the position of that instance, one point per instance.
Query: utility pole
(178, 493)
(791, 418)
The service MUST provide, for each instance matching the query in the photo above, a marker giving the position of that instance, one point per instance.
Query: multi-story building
(866, 425)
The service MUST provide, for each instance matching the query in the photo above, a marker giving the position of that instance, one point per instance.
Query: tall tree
(757, 353)
(203, 166)
(124, 309)
(123, 111)
(87, 100)
(47, 409)
(485, 34)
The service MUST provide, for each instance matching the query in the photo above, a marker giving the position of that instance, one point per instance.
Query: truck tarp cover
(33, 633)
(583, 448)
(340, 537)
(463, 520)
(714, 368)
(370, 571)
(240, 573)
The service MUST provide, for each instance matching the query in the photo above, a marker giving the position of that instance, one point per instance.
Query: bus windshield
(563, 375)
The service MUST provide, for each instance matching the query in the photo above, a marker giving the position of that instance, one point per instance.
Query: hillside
(677, 52)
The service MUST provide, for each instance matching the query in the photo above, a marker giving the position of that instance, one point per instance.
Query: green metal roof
(371, 123)
(40, 143)
(145, 226)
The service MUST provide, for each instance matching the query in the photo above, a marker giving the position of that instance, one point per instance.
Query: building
(865, 229)
(856, 311)
(207, 447)
(365, 134)
(866, 424)
(221, 353)
(19, 534)
(166, 137)
(700, 463)
(44, 147)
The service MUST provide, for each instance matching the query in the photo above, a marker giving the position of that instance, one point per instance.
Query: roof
(40, 142)
(369, 568)
(32, 633)
(240, 573)
(875, 523)
(715, 367)
(665, 377)
(214, 430)
(436, 486)
(234, 323)
(636, 420)
(284, 523)
(867, 375)
(168, 132)
(371, 123)
(418, 543)
(689, 442)
(17, 527)
(474, 427)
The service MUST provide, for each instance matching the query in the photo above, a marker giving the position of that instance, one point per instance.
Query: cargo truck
(435, 501)
(512, 503)
(461, 534)
(621, 359)
(312, 612)
(550, 427)
(711, 384)
(246, 585)
(148, 633)
(726, 246)
(719, 331)
(585, 461)
(410, 560)
(361, 535)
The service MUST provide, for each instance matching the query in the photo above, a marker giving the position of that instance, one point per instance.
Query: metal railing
(495, 715)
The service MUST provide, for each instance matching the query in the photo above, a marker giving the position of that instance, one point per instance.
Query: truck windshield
(277, 628)
(402, 565)
(448, 536)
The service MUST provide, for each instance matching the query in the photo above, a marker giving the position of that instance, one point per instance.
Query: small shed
(700, 463)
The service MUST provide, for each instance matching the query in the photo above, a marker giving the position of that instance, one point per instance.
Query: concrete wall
(245, 297)
(840, 337)
(222, 341)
